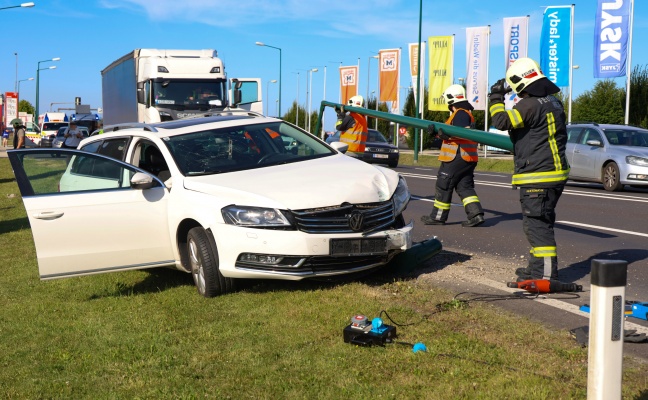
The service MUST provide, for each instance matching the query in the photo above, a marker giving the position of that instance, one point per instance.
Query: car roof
(606, 126)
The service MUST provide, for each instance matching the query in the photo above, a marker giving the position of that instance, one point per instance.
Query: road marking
(574, 309)
(603, 228)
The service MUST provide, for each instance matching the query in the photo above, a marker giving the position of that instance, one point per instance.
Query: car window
(627, 137)
(573, 134)
(243, 147)
(590, 134)
(375, 136)
(114, 148)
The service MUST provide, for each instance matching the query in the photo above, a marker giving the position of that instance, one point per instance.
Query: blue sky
(89, 34)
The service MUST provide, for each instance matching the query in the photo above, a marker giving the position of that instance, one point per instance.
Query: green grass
(491, 164)
(149, 335)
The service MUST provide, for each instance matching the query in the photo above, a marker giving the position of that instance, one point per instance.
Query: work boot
(427, 220)
(474, 221)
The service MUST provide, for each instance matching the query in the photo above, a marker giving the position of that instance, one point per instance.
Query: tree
(639, 97)
(383, 126)
(25, 106)
(291, 116)
(604, 104)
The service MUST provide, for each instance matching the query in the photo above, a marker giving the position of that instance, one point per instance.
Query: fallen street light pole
(486, 138)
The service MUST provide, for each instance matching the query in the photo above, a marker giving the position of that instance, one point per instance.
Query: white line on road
(603, 228)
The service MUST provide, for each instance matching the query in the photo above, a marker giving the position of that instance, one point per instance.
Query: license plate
(380, 156)
(358, 247)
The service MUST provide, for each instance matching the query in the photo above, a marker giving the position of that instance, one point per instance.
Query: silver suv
(614, 155)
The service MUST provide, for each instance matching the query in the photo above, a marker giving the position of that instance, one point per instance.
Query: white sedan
(222, 198)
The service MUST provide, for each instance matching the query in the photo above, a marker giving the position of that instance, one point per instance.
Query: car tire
(203, 259)
(611, 178)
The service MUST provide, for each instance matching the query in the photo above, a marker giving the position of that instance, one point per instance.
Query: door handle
(48, 215)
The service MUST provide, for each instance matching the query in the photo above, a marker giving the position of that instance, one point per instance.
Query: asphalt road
(591, 224)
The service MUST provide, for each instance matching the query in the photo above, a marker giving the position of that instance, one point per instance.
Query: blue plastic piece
(419, 347)
(377, 326)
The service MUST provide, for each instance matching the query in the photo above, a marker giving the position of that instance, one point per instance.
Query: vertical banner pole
(629, 64)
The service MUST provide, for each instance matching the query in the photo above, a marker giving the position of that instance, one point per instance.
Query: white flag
(477, 66)
(516, 45)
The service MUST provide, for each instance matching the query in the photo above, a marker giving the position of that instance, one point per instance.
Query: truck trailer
(153, 85)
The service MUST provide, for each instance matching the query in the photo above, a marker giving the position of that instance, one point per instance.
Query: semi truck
(154, 85)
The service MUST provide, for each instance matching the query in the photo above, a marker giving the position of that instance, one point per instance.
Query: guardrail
(489, 139)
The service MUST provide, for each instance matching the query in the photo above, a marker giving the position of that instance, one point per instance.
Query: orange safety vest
(467, 148)
(356, 137)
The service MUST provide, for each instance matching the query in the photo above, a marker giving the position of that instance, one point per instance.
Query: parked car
(614, 155)
(377, 150)
(221, 197)
(59, 139)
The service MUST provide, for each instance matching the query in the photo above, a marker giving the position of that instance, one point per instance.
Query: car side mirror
(142, 181)
(596, 143)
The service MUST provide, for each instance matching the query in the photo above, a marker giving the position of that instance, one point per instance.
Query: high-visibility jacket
(467, 148)
(537, 126)
(354, 132)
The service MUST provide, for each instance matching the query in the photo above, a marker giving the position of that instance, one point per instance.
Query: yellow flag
(440, 77)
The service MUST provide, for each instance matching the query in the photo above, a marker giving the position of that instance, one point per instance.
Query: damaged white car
(220, 197)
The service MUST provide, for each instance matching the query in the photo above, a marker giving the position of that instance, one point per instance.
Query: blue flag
(554, 45)
(611, 38)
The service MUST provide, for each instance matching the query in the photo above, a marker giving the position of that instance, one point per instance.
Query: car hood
(323, 182)
(630, 150)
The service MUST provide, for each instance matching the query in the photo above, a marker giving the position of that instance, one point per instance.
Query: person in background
(20, 132)
(458, 161)
(537, 127)
(5, 137)
(72, 137)
(353, 128)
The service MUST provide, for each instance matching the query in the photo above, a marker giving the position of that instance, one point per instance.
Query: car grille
(380, 150)
(345, 218)
(307, 266)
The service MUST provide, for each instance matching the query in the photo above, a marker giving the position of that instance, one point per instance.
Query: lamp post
(369, 74)
(18, 85)
(37, 82)
(268, 92)
(297, 103)
(569, 113)
(267, 45)
(310, 95)
(24, 5)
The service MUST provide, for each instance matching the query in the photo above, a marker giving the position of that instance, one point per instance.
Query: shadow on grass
(14, 225)
(156, 280)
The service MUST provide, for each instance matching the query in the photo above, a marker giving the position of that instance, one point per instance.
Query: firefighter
(458, 161)
(353, 128)
(536, 125)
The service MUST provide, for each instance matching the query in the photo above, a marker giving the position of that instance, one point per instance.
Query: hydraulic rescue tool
(545, 286)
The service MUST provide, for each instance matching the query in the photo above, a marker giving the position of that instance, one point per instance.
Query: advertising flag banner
(11, 107)
(389, 73)
(413, 57)
(516, 45)
(611, 38)
(477, 66)
(440, 70)
(554, 45)
(348, 82)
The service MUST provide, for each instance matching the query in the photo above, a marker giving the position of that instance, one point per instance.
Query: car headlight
(639, 161)
(254, 216)
(401, 196)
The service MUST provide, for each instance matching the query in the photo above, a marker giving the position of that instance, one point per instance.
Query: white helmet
(356, 101)
(454, 94)
(522, 73)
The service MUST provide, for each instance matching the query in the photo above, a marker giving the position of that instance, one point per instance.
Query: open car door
(90, 213)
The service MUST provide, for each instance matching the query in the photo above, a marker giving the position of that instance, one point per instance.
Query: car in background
(377, 149)
(222, 198)
(59, 139)
(614, 155)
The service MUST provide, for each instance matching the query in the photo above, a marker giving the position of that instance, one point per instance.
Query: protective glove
(340, 112)
(497, 91)
(430, 130)
(443, 135)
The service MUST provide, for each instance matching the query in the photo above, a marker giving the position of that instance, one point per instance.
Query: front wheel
(611, 178)
(203, 258)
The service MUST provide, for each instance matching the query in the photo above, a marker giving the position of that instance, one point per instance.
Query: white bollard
(605, 351)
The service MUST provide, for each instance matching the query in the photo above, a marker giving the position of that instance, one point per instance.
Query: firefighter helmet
(522, 73)
(454, 94)
(356, 101)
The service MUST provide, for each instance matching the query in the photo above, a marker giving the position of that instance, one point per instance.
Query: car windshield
(375, 136)
(243, 147)
(627, 137)
(53, 126)
(189, 93)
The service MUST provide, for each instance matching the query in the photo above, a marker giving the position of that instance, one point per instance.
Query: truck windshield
(197, 94)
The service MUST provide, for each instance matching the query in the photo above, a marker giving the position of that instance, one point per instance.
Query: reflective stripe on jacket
(356, 135)
(467, 148)
(538, 132)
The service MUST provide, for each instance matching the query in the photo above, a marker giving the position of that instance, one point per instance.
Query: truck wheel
(203, 258)
(611, 178)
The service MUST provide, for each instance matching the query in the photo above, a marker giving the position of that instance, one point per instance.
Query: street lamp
(267, 45)
(37, 82)
(18, 85)
(25, 5)
(310, 95)
(369, 73)
(268, 92)
(569, 113)
(375, 119)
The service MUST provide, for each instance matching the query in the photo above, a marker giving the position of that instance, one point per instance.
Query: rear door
(85, 215)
